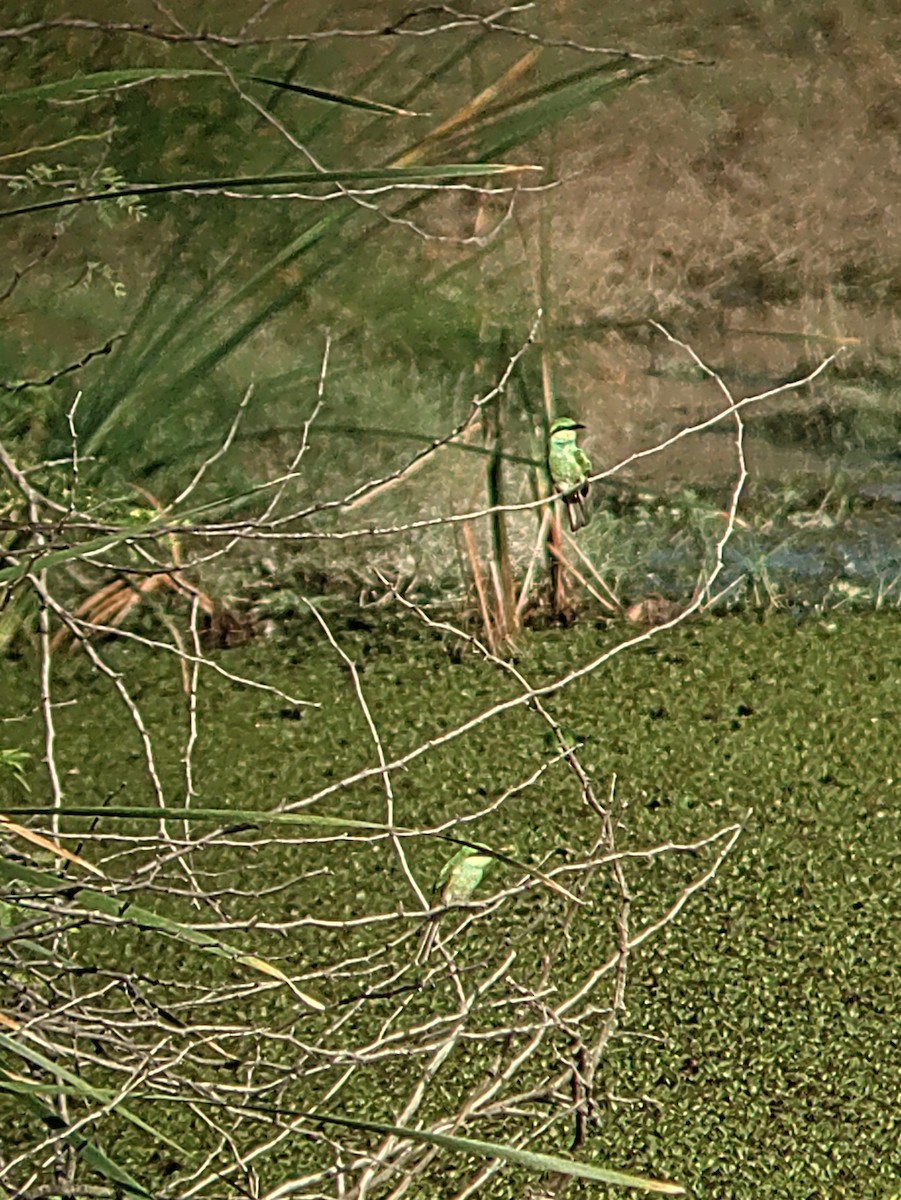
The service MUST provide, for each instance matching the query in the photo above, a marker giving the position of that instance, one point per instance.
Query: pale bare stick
(85, 627)
(305, 434)
(374, 734)
(537, 548)
(731, 834)
(253, 531)
(612, 602)
(580, 578)
(191, 487)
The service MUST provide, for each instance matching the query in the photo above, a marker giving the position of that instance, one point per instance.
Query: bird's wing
(452, 865)
(443, 876)
(583, 460)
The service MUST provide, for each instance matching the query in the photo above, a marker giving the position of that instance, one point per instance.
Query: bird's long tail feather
(576, 511)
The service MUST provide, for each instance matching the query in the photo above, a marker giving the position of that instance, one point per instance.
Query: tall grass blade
(80, 1087)
(336, 97)
(530, 1159)
(388, 175)
(227, 815)
(100, 81)
(83, 550)
(551, 105)
(103, 81)
(123, 910)
(84, 1147)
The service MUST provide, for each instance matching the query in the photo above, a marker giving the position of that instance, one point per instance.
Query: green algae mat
(262, 955)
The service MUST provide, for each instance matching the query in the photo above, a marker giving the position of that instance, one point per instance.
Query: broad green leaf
(15, 760)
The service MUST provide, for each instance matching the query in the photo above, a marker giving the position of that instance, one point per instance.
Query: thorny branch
(443, 19)
(21, 386)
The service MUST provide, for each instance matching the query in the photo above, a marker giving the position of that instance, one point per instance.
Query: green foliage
(16, 761)
(112, 200)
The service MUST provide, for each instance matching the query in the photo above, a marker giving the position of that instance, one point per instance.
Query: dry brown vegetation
(770, 177)
(750, 198)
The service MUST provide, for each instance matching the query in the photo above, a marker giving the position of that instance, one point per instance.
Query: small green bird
(570, 467)
(456, 883)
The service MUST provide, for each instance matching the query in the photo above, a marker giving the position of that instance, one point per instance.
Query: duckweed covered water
(758, 1056)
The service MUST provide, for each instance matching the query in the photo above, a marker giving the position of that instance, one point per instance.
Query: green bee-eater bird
(456, 883)
(570, 467)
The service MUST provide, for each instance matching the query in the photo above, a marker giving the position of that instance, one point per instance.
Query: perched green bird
(456, 883)
(570, 467)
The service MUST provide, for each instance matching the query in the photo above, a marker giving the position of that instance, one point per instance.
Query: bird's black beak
(577, 425)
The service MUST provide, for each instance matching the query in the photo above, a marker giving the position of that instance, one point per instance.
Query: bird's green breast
(568, 464)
